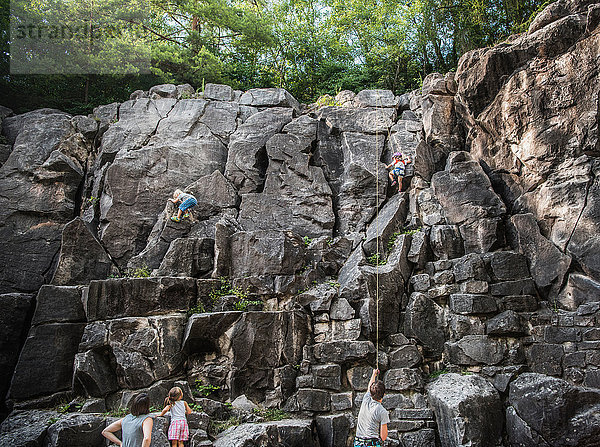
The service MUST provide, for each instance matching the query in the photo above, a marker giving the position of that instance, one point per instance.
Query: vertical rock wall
(300, 270)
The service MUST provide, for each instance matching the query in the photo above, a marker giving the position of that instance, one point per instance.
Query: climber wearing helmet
(398, 163)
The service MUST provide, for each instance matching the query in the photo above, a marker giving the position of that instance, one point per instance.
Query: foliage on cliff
(309, 47)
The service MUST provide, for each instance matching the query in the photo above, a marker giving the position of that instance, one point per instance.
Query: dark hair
(174, 395)
(377, 390)
(140, 404)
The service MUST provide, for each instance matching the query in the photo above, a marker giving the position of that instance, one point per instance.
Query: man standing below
(371, 429)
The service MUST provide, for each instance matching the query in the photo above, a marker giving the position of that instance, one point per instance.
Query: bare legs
(393, 180)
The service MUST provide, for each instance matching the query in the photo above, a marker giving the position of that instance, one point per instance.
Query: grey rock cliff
(300, 270)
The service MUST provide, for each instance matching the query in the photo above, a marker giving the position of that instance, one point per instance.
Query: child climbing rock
(177, 408)
(371, 426)
(186, 202)
(398, 163)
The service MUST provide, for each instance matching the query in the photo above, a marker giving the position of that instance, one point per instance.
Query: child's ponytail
(175, 394)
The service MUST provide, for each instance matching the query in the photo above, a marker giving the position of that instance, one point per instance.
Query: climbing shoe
(186, 215)
(175, 219)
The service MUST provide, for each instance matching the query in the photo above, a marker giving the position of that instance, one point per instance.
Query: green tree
(310, 47)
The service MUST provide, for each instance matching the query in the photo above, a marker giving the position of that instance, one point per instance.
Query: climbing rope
(378, 101)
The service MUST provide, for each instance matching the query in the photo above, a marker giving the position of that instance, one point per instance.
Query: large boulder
(188, 257)
(267, 252)
(374, 121)
(45, 167)
(269, 97)
(467, 409)
(403, 379)
(466, 195)
(26, 428)
(135, 297)
(389, 220)
(296, 195)
(476, 349)
(94, 375)
(50, 348)
(218, 92)
(334, 430)
(76, 429)
(252, 344)
(548, 265)
(76, 265)
(42, 129)
(344, 351)
(269, 434)
(51, 344)
(59, 304)
(579, 290)
(247, 158)
(551, 412)
(424, 320)
(375, 98)
(130, 352)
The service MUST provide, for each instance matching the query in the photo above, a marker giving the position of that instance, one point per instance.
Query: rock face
(138, 297)
(287, 432)
(299, 271)
(128, 353)
(457, 401)
(78, 266)
(291, 184)
(549, 144)
(253, 343)
(549, 411)
(81, 429)
(13, 324)
(45, 166)
(247, 161)
(51, 344)
(466, 194)
(27, 428)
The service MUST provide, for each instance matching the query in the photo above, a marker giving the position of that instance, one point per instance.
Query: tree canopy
(309, 47)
